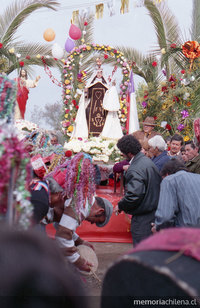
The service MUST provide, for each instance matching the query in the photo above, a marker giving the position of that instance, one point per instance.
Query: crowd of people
(160, 191)
(160, 183)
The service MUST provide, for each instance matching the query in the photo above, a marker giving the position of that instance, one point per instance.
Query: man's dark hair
(129, 144)
(168, 138)
(192, 144)
(182, 149)
(172, 166)
(177, 137)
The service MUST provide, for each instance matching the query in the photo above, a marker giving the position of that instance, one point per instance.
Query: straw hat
(149, 121)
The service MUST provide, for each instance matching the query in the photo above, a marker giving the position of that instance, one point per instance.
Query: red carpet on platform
(116, 231)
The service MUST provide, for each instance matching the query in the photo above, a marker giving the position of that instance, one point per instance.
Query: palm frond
(195, 28)
(17, 12)
(171, 25)
(157, 22)
(88, 37)
(166, 27)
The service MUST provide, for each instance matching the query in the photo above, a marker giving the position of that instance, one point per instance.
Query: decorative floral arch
(72, 87)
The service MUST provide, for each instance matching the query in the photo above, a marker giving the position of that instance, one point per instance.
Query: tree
(12, 51)
(49, 114)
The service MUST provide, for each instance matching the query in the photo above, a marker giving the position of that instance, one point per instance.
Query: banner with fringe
(75, 17)
(124, 6)
(99, 10)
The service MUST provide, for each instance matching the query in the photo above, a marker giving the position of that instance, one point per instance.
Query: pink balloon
(74, 32)
(69, 45)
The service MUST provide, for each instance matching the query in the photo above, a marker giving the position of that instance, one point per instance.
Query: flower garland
(14, 157)
(70, 91)
(7, 98)
(49, 73)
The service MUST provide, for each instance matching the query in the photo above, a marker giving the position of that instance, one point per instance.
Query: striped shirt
(179, 200)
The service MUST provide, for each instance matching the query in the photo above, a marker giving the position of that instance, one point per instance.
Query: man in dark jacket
(142, 187)
(192, 153)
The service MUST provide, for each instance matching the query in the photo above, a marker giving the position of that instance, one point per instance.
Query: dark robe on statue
(95, 113)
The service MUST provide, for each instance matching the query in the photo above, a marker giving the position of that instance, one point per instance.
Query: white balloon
(57, 51)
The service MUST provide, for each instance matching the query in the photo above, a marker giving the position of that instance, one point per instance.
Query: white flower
(186, 95)
(77, 148)
(86, 147)
(105, 159)
(163, 124)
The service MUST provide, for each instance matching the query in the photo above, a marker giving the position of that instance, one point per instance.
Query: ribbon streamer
(99, 10)
(111, 9)
(124, 6)
(75, 17)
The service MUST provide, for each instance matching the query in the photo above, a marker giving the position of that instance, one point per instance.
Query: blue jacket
(161, 159)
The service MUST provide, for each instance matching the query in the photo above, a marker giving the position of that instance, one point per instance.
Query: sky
(133, 29)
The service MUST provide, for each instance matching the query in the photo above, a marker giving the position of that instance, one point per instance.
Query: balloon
(75, 32)
(49, 35)
(69, 45)
(57, 51)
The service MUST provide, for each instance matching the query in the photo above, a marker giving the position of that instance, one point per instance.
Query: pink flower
(185, 114)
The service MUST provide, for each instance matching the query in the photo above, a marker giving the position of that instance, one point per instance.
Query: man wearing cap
(77, 180)
(99, 213)
(148, 130)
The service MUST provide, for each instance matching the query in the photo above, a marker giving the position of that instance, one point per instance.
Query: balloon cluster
(57, 51)
(75, 34)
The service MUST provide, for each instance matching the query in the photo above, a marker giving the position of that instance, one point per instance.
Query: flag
(132, 123)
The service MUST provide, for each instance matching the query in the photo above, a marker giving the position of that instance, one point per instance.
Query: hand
(69, 251)
(125, 167)
(88, 244)
(153, 228)
(117, 211)
(83, 265)
(37, 78)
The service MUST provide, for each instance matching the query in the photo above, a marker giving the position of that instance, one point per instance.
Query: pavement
(107, 254)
